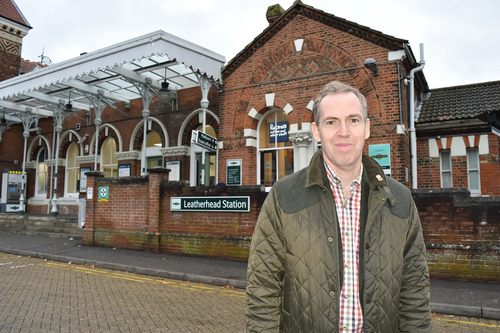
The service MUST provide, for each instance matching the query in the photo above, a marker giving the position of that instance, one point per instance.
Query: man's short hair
(336, 87)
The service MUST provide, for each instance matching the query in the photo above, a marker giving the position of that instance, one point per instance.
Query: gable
(9, 10)
(299, 9)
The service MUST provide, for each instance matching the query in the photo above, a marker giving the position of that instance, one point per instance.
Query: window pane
(71, 159)
(285, 162)
(41, 172)
(71, 186)
(42, 183)
(474, 180)
(472, 157)
(268, 168)
(446, 179)
(274, 130)
(445, 160)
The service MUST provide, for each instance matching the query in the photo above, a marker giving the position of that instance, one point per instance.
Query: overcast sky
(461, 37)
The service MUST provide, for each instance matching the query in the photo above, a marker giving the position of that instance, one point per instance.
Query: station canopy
(112, 72)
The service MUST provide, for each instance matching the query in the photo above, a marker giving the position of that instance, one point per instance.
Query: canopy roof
(157, 55)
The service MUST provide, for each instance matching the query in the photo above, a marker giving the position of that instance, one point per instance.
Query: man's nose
(344, 129)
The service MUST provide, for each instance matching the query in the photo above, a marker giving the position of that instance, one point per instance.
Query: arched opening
(72, 179)
(275, 151)
(109, 163)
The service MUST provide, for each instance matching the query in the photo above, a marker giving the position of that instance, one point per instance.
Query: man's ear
(367, 128)
(315, 131)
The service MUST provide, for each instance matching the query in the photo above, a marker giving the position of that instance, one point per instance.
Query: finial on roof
(273, 13)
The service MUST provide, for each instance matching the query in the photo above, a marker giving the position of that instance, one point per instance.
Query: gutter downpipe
(413, 136)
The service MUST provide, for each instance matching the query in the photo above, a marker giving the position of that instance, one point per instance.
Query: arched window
(275, 153)
(109, 163)
(210, 161)
(41, 173)
(72, 179)
(153, 154)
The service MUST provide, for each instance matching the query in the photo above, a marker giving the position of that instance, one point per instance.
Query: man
(338, 246)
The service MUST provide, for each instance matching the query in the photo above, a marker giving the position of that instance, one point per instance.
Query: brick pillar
(152, 239)
(90, 213)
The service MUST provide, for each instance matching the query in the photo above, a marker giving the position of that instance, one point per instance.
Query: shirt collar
(337, 180)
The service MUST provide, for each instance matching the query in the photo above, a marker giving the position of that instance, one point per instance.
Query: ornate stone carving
(85, 159)
(60, 162)
(175, 151)
(128, 155)
(30, 165)
(301, 137)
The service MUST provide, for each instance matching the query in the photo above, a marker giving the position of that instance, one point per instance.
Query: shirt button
(345, 328)
(332, 293)
(330, 239)
(346, 297)
(346, 265)
(346, 233)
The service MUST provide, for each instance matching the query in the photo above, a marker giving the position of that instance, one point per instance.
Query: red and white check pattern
(348, 212)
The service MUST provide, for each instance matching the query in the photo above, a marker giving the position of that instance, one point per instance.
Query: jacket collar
(373, 174)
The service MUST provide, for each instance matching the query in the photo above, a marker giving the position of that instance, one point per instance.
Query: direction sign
(204, 140)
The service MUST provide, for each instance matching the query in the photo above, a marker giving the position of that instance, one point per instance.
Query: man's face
(342, 131)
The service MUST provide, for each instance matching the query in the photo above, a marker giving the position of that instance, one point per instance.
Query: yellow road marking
(464, 322)
(127, 276)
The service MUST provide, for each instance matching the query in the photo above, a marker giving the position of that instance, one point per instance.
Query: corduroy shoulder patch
(292, 193)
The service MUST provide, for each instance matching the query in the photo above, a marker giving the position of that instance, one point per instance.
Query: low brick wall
(462, 234)
(137, 215)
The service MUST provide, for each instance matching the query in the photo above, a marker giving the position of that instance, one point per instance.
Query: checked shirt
(348, 215)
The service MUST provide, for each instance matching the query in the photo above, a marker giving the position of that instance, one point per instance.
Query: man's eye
(354, 120)
(330, 122)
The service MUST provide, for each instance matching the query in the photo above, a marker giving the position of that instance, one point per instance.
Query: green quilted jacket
(295, 275)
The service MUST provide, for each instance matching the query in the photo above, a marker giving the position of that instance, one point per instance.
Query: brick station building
(258, 106)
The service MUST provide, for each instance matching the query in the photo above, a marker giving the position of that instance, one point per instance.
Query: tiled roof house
(14, 27)
(458, 132)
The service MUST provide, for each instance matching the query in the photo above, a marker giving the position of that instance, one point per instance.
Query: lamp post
(205, 85)
(61, 112)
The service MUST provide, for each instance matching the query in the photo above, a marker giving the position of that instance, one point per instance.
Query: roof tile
(460, 102)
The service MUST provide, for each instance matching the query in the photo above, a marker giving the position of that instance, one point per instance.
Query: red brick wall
(459, 246)
(138, 216)
(9, 65)
(325, 50)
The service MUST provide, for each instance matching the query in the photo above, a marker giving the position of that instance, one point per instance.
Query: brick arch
(66, 140)
(138, 134)
(262, 107)
(112, 133)
(332, 52)
(36, 144)
(193, 122)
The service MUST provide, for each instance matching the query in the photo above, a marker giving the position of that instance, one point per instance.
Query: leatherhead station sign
(210, 204)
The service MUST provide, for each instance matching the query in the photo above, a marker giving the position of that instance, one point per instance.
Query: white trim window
(109, 163)
(41, 174)
(445, 168)
(72, 172)
(473, 171)
(275, 150)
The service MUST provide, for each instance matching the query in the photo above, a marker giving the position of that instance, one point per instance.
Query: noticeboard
(233, 172)
(175, 170)
(382, 154)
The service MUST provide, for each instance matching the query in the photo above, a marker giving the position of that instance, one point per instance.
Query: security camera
(83, 139)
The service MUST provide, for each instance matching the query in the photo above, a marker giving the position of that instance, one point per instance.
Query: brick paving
(45, 296)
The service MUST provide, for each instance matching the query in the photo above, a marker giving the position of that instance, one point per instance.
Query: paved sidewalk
(448, 297)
